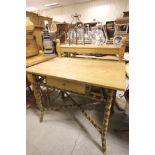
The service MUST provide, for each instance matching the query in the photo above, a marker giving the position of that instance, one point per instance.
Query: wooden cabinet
(62, 27)
(33, 17)
(41, 21)
(37, 19)
(38, 22)
(62, 30)
(37, 33)
(49, 21)
(31, 46)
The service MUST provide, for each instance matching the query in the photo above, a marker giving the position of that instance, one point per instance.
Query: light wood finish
(29, 36)
(38, 23)
(122, 48)
(124, 20)
(127, 69)
(107, 57)
(58, 47)
(92, 49)
(38, 59)
(31, 46)
(37, 94)
(106, 119)
(43, 18)
(29, 25)
(37, 19)
(73, 74)
(122, 34)
(102, 73)
(62, 84)
(33, 17)
(38, 36)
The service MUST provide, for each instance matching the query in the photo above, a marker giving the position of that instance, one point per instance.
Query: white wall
(101, 10)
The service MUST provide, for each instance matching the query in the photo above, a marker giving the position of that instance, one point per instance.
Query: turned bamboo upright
(37, 94)
(106, 119)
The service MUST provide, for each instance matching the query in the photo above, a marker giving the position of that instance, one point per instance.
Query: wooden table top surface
(38, 59)
(103, 73)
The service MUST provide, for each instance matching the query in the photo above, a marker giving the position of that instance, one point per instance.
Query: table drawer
(66, 85)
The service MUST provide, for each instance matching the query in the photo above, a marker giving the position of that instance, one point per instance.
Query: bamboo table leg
(37, 95)
(106, 119)
(113, 102)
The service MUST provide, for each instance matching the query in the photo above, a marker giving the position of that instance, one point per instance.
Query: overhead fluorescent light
(31, 9)
(51, 4)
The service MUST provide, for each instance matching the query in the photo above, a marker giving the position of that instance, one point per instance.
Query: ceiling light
(51, 4)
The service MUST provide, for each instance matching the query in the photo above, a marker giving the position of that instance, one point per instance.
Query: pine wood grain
(92, 49)
(103, 73)
(38, 59)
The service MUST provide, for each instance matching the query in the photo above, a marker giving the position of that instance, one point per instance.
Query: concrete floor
(68, 132)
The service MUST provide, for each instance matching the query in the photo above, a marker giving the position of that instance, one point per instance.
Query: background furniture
(62, 30)
(33, 45)
(91, 24)
(38, 36)
(39, 24)
(32, 51)
(122, 22)
(92, 49)
(37, 19)
(110, 29)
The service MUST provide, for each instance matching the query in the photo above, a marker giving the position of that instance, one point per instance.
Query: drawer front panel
(66, 85)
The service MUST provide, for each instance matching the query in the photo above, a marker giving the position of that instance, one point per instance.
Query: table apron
(66, 85)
